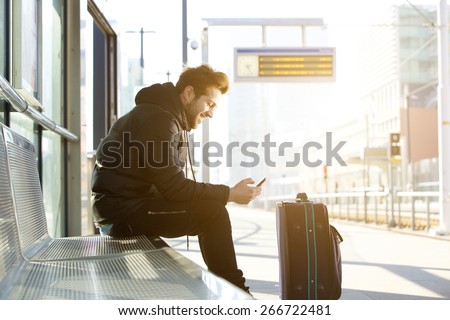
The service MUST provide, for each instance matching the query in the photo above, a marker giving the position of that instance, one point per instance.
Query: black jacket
(139, 159)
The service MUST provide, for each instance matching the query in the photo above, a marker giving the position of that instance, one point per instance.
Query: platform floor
(378, 264)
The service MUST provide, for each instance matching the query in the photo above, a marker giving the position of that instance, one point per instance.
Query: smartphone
(261, 182)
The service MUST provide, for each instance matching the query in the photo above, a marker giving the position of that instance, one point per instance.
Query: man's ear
(189, 94)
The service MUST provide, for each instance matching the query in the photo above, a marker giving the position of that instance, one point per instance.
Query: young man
(138, 183)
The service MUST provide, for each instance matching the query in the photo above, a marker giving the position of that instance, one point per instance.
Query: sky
(344, 18)
(345, 23)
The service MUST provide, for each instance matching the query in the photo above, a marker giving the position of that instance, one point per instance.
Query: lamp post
(184, 33)
(142, 31)
(443, 118)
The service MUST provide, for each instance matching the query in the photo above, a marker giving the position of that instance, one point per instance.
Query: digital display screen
(294, 64)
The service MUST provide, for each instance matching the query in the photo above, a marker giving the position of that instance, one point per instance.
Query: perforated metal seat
(160, 274)
(32, 224)
(9, 239)
(34, 265)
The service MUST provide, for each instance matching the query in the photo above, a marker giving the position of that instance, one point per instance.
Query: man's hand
(242, 193)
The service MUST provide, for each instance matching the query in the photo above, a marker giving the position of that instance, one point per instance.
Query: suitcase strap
(311, 251)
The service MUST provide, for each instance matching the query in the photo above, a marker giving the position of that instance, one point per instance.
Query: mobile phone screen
(261, 182)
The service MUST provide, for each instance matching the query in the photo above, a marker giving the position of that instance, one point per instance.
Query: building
(397, 90)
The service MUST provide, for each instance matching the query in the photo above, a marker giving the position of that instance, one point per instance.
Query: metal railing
(21, 105)
(398, 209)
(413, 197)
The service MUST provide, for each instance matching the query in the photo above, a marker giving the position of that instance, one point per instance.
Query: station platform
(378, 264)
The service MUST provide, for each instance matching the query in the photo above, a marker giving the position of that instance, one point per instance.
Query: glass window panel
(53, 182)
(24, 126)
(51, 70)
(3, 34)
(25, 58)
(3, 28)
(52, 59)
(52, 101)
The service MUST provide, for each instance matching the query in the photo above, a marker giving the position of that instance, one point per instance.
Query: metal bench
(34, 265)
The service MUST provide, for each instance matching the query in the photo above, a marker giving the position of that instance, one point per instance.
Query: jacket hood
(166, 96)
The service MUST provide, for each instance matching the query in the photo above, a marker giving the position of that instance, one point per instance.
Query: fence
(404, 209)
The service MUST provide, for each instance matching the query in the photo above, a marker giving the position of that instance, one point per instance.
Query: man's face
(202, 107)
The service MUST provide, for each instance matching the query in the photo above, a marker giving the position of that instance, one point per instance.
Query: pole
(443, 119)
(391, 223)
(142, 31)
(142, 48)
(184, 33)
(205, 124)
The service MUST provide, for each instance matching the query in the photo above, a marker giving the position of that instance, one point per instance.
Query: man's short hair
(202, 78)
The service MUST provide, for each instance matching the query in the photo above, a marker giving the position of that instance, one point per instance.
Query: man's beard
(191, 117)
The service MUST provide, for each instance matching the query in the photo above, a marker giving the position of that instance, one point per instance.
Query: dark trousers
(207, 219)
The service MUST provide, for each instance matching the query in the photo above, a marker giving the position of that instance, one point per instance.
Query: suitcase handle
(301, 197)
(336, 234)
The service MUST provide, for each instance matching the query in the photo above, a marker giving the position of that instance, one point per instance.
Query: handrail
(391, 220)
(21, 105)
(418, 194)
(334, 195)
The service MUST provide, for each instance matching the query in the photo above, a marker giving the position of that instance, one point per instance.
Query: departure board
(285, 64)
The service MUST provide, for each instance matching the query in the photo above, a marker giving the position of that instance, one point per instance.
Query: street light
(142, 31)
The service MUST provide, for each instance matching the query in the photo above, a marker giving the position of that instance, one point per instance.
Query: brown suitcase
(309, 253)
